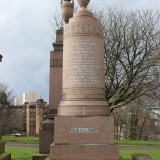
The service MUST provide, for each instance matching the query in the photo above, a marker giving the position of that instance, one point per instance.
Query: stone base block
(84, 152)
(84, 130)
(83, 108)
(46, 136)
(5, 156)
(48, 158)
(39, 156)
(2, 147)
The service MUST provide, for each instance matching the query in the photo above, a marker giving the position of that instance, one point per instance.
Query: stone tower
(84, 127)
(56, 63)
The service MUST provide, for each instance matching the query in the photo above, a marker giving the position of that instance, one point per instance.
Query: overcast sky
(26, 40)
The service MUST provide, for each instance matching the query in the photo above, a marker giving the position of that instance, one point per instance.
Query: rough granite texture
(46, 136)
(84, 152)
(84, 130)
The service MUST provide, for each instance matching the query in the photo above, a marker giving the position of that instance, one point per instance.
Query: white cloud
(26, 40)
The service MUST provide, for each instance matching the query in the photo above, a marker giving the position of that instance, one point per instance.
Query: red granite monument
(84, 126)
(55, 93)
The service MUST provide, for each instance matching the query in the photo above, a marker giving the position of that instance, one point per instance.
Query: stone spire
(67, 10)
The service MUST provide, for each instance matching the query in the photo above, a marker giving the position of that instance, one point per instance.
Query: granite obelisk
(84, 127)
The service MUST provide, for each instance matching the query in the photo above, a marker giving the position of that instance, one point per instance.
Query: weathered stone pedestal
(46, 134)
(3, 155)
(84, 138)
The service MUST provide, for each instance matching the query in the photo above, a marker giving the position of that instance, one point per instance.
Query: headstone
(84, 127)
(141, 157)
(3, 155)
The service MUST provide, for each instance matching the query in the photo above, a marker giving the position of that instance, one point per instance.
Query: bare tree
(132, 47)
(132, 53)
(140, 118)
(131, 121)
(6, 98)
(120, 123)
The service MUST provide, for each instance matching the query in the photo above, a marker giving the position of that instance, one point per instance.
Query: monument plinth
(84, 127)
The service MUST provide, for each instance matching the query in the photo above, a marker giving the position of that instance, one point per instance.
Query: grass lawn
(24, 139)
(27, 153)
(126, 155)
(120, 142)
(22, 153)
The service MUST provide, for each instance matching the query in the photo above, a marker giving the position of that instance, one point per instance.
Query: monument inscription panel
(89, 130)
(84, 130)
(81, 64)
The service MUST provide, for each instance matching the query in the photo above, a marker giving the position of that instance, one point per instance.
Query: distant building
(26, 119)
(29, 97)
(35, 115)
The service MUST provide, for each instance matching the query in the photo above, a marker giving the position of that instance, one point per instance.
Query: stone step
(5, 156)
(48, 158)
(39, 156)
(84, 152)
(2, 147)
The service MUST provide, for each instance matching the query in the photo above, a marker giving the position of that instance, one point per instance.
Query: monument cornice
(90, 28)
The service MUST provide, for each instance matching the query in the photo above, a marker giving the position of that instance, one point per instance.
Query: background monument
(84, 127)
(55, 93)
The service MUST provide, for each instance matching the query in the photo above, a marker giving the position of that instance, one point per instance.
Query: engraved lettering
(84, 130)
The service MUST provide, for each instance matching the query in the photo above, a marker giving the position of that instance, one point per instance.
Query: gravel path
(22, 145)
(36, 145)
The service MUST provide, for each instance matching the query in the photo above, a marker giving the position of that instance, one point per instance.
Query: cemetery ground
(22, 148)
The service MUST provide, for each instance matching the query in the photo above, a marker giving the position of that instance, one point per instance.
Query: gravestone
(84, 126)
(3, 155)
(141, 157)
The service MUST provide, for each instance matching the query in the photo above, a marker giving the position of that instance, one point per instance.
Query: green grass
(27, 153)
(25, 139)
(126, 155)
(21, 153)
(120, 142)
(138, 143)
